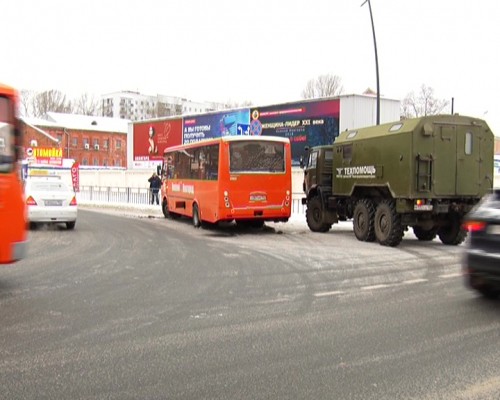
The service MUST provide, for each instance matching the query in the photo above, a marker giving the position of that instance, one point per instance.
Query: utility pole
(376, 60)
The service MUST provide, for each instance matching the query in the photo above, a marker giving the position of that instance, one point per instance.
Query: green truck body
(425, 173)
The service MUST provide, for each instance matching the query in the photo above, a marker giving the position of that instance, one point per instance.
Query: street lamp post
(376, 60)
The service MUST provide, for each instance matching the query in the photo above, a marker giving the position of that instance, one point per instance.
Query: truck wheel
(452, 234)
(388, 228)
(314, 216)
(362, 223)
(425, 235)
(196, 216)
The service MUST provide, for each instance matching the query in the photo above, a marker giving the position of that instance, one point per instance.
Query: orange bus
(12, 208)
(246, 179)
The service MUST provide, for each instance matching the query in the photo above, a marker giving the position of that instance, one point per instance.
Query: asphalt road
(148, 308)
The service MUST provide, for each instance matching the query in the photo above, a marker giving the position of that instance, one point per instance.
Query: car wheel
(70, 225)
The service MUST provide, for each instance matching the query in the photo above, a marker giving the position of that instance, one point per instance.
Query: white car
(50, 200)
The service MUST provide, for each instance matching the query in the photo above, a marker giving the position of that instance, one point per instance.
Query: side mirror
(301, 162)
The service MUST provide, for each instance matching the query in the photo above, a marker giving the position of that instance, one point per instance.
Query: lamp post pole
(376, 60)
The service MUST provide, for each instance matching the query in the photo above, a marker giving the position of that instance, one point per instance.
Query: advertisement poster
(75, 176)
(210, 126)
(45, 155)
(151, 138)
(308, 123)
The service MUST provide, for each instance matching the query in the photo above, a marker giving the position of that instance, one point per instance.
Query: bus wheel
(388, 228)
(164, 208)
(363, 217)
(196, 216)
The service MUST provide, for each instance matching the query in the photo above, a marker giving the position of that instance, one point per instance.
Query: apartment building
(137, 107)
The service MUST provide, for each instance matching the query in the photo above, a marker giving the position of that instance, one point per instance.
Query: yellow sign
(42, 152)
(46, 155)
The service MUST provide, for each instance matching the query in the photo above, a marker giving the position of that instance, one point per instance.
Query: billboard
(208, 126)
(45, 155)
(151, 138)
(307, 123)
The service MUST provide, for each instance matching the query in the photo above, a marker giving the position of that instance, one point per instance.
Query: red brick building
(89, 140)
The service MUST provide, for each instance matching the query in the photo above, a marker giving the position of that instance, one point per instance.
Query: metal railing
(142, 196)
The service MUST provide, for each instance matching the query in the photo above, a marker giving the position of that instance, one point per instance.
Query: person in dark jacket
(154, 187)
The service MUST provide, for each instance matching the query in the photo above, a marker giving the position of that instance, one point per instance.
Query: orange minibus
(12, 208)
(246, 179)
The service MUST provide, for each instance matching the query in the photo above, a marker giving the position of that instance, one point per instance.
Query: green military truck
(425, 173)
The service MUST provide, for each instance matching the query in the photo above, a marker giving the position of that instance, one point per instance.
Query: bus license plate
(258, 197)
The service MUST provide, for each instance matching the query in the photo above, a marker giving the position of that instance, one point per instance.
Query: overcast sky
(263, 51)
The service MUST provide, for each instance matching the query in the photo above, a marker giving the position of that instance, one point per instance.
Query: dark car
(482, 258)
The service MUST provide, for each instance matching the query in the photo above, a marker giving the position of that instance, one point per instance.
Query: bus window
(212, 162)
(256, 157)
(7, 148)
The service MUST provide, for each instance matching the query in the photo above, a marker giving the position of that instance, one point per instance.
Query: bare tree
(86, 105)
(26, 102)
(323, 86)
(421, 104)
(50, 100)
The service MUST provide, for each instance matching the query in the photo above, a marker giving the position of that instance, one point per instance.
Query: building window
(105, 162)
(85, 162)
(96, 142)
(96, 162)
(117, 163)
(118, 144)
(106, 143)
(74, 141)
(85, 140)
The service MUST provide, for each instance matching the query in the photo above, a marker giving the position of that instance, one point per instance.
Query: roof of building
(80, 122)
(35, 122)
(89, 123)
